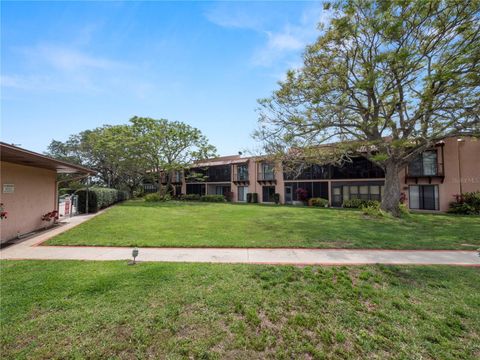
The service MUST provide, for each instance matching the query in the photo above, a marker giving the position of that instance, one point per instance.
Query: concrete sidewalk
(30, 249)
(247, 256)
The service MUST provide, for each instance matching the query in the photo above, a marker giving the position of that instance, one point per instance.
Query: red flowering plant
(302, 194)
(52, 215)
(3, 213)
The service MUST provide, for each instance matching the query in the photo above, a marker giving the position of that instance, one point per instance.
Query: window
(221, 190)
(267, 172)
(357, 168)
(423, 197)
(219, 173)
(430, 163)
(337, 196)
(242, 193)
(341, 193)
(242, 173)
(268, 193)
(364, 190)
(375, 192)
(353, 191)
(424, 165)
(196, 189)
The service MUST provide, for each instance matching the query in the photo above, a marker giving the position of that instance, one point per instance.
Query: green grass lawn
(172, 224)
(80, 309)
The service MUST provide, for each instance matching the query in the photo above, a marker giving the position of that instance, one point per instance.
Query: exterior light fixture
(134, 255)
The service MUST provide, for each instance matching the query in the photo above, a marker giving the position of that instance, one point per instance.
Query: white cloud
(67, 59)
(284, 41)
(281, 42)
(292, 38)
(230, 16)
(54, 68)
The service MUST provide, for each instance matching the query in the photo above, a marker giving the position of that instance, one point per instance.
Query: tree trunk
(160, 187)
(169, 182)
(391, 191)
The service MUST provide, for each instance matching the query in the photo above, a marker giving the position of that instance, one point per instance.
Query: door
(288, 194)
(423, 197)
(242, 193)
(429, 202)
(337, 199)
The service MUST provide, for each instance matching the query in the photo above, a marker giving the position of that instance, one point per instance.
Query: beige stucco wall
(34, 196)
(458, 179)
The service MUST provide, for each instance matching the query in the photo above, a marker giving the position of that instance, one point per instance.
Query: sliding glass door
(242, 193)
(423, 197)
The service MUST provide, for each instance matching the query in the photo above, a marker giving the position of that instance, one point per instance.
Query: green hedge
(252, 197)
(154, 197)
(358, 203)
(318, 202)
(99, 198)
(213, 198)
(190, 197)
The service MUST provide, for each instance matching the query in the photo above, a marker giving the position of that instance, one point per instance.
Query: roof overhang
(208, 163)
(14, 154)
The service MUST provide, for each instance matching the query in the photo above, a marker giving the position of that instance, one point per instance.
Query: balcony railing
(422, 171)
(240, 176)
(266, 176)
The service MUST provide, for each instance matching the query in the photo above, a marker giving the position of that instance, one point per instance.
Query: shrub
(229, 196)
(358, 203)
(302, 194)
(213, 198)
(404, 211)
(473, 199)
(466, 204)
(190, 197)
(252, 197)
(99, 198)
(276, 198)
(318, 202)
(152, 197)
(353, 203)
(157, 197)
(372, 208)
(139, 192)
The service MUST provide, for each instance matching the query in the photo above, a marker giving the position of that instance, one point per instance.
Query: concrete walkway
(30, 249)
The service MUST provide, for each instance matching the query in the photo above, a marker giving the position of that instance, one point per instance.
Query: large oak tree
(391, 77)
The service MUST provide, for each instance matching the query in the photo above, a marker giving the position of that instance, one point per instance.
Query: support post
(86, 200)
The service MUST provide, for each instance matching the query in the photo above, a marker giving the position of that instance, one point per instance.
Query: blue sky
(72, 66)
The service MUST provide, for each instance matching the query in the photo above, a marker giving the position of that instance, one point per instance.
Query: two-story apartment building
(440, 174)
(430, 182)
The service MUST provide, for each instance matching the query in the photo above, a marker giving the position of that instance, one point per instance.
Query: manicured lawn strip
(75, 309)
(179, 224)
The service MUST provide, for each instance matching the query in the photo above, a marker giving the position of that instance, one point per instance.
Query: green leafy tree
(117, 154)
(390, 77)
(170, 146)
(112, 151)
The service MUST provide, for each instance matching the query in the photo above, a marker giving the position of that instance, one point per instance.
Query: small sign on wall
(8, 188)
